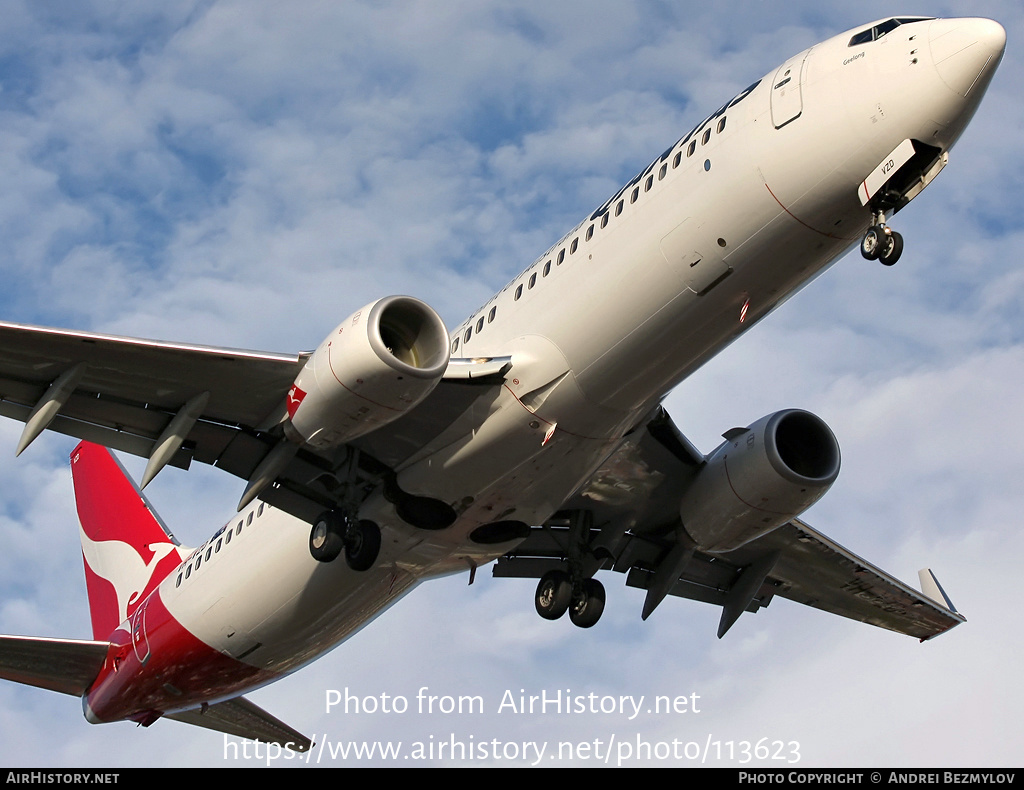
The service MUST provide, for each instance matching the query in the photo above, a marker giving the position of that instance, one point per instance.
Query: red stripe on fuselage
(167, 669)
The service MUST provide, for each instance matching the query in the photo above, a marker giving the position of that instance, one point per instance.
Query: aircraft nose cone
(966, 52)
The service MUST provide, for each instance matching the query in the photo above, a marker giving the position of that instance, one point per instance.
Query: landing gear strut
(572, 588)
(334, 531)
(881, 242)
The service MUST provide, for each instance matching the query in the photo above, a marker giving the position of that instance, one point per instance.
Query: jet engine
(760, 478)
(375, 366)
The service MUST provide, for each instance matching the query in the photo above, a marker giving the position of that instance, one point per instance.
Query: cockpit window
(879, 30)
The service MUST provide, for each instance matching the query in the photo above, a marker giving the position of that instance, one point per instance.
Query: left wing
(634, 527)
(176, 403)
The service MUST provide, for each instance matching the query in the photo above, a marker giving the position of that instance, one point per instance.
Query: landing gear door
(787, 94)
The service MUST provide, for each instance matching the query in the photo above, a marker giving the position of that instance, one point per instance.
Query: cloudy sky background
(248, 174)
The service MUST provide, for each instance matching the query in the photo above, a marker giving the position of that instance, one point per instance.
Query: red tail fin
(126, 548)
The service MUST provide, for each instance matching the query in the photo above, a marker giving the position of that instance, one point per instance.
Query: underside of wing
(241, 717)
(177, 403)
(123, 392)
(628, 518)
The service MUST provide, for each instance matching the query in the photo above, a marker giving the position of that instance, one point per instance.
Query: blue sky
(246, 175)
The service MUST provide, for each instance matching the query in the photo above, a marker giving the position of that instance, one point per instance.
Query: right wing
(126, 390)
(216, 406)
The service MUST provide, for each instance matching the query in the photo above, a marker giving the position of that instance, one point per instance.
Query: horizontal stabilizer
(241, 717)
(65, 665)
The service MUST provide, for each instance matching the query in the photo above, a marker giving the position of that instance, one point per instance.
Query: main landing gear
(334, 531)
(556, 595)
(881, 243)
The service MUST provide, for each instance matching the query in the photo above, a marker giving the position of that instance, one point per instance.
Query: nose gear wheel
(883, 244)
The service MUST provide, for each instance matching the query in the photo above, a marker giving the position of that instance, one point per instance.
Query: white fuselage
(734, 218)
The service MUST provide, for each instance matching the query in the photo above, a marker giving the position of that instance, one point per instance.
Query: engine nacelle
(760, 478)
(375, 366)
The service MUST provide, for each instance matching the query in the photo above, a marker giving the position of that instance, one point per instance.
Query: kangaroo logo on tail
(126, 547)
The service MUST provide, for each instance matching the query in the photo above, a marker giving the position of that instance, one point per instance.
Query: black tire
(362, 546)
(873, 243)
(326, 538)
(554, 594)
(588, 608)
(893, 250)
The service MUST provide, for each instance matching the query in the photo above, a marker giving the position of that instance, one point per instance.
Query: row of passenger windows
(574, 245)
(214, 544)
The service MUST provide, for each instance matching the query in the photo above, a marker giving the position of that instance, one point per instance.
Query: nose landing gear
(882, 243)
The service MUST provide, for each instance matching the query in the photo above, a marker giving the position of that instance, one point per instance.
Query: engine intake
(376, 365)
(760, 478)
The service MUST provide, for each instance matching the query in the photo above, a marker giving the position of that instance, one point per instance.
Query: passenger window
(677, 160)
(547, 268)
(706, 137)
(661, 173)
(590, 233)
(691, 148)
(574, 245)
(604, 220)
(468, 335)
(248, 521)
(479, 325)
(519, 291)
(455, 345)
(260, 511)
(561, 257)
(618, 208)
(533, 279)
(188, 571)
(178, 582)
(721, 126)
(227, 537)
(635, 195)
(490, 315)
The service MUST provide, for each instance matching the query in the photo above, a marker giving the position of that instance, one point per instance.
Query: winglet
(930, 586)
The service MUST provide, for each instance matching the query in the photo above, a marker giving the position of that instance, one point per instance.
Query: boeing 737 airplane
(531, 434)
